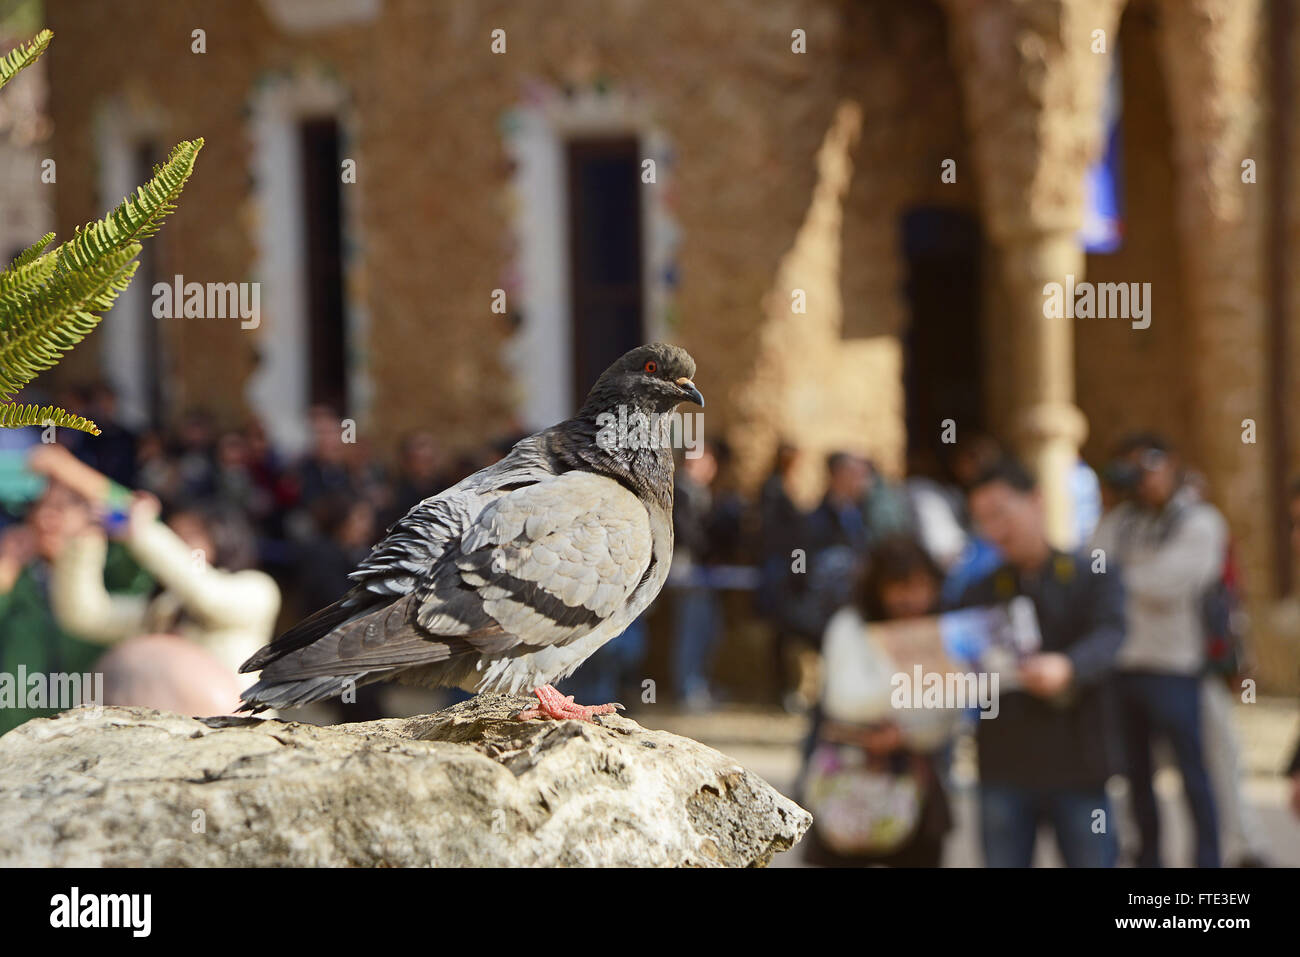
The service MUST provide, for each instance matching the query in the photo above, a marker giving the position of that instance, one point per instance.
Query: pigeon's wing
(410, 552)
(542, 564)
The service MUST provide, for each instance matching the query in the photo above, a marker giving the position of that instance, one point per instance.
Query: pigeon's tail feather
(304, 633)
(280, 694)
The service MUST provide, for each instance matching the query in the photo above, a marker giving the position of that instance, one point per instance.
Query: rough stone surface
(466, 786)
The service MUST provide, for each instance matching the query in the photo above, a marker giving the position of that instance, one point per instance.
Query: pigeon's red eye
(652, 367)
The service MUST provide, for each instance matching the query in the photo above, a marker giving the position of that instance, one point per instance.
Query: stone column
(1033, 89)
(1211, 52)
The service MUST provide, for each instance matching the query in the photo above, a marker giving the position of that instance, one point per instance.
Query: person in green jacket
(30, 639)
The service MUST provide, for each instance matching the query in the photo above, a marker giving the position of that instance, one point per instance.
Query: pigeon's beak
(690, 392)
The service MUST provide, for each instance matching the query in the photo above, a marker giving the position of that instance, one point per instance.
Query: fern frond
(22, 277)
(18, 282)
(29, 254)
(140, 216)
(51, 299)
(23, 55)
(13, 416)
(61, 313)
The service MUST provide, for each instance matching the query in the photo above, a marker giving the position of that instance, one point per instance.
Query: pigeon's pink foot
(552, 704)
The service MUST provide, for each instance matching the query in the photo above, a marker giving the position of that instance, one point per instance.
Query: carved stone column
(1033, 90)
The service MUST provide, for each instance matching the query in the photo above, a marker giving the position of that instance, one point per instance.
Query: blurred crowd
(197, 545)
(163, 560)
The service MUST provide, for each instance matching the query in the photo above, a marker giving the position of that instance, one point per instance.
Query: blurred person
(420, 474)
(1045, 759)
(1230, 662)
(970, 458)
(464, 464)
(1287, 621)
(838, 520)
(369, 476)
(832, 544)
(697, 608)
(31, 636)
(780, 521)
(75, 397)
(980, 557)
(1293, 771)
(325, 467)
(346, 530)
(156, 472)
(1169, 546)
(233, 482)
(937, 509)
(18, 487)
(733, 526)
(202, 560)
(276, 493)
(779, 516)
(193, 456)
(1085, 497)
(872, 775)
(169, 674)
(113, 451)
(885, 505)
(1241, 835)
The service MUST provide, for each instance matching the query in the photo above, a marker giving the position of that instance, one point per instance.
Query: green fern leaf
(30, 254)
(51, 299)
(23, 276)
(18, 282)
(61, 313)
(23, 55)
(140, 216)
(13, 416)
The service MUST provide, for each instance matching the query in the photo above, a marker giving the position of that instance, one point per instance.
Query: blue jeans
(1009, 819)
(699, 613)
(1169, 707)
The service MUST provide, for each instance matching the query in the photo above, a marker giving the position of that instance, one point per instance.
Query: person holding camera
(1170, 546)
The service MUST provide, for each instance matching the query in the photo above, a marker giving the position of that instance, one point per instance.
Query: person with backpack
(1170, 547)
(810, 572)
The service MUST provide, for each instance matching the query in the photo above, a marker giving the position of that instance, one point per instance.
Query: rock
(467, 786)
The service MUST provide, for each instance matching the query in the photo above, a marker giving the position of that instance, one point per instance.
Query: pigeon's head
(655, 377)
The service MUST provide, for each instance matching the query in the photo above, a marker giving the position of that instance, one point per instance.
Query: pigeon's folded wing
(546, 564)
(542, 565)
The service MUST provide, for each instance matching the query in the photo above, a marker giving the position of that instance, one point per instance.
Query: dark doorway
(318, 141)
(943, 356)
(604, 253)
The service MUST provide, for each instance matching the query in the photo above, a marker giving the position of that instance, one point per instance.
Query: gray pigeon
(511, 579)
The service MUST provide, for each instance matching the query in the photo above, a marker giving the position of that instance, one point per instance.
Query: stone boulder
(467, 786)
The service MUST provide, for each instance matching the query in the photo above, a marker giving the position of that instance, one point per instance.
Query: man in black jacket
(1045, 758)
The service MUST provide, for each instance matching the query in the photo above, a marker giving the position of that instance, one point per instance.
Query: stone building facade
(798, 152)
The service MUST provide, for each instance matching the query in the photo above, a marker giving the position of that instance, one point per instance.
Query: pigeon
(512, 578)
